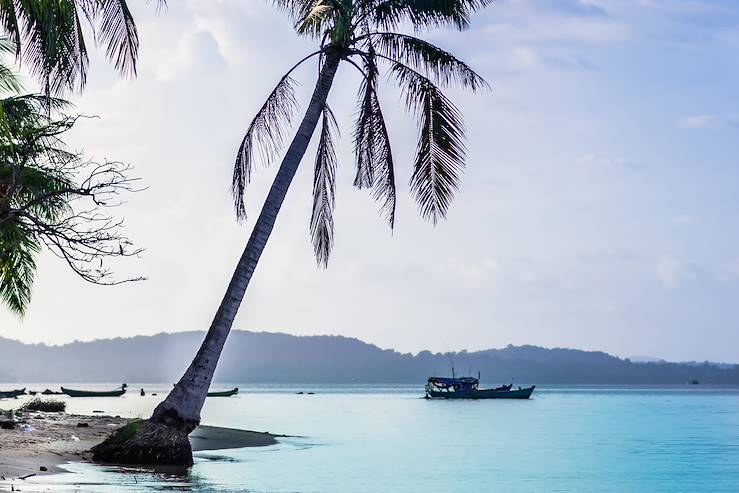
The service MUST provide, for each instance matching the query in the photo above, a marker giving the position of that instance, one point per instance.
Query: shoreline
(50, 440)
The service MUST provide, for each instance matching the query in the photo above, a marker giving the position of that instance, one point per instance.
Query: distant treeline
(262, 357)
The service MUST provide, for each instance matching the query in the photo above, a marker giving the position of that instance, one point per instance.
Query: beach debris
(97, 411)
(83, 425)
(27, 429)
(26, 477)
(7, 425)
(43, 468)
(75, 439)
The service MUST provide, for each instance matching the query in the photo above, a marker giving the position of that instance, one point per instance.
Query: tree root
(147, 443)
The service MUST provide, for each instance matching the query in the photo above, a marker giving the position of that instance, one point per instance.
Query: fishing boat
(469, 388)
(12, 393)
(95, 393)
(224, 393)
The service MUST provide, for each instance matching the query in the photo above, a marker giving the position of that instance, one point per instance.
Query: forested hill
(280, 358)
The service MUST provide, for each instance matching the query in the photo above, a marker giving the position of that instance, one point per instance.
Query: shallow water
(387, 438)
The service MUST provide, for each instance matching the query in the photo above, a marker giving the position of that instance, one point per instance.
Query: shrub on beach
(47, 405)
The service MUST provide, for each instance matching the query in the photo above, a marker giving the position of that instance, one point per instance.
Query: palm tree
(40, 180)
(363, 34)
(21, 120)
(22, 187)
(49, 38)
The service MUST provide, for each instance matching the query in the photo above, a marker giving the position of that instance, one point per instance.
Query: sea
(387, 438)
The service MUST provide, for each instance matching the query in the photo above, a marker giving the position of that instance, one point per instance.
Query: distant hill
(281, 358)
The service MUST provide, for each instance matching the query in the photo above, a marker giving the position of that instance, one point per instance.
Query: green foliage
(45, 405)
(49, 37)
(125, 432)
(39, 181)
(31, 182)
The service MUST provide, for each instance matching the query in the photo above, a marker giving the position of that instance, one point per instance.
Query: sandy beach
(49, 440)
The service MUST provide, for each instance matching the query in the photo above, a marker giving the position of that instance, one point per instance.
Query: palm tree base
(150, 443)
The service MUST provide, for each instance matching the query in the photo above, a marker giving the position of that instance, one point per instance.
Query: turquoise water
(384, 438)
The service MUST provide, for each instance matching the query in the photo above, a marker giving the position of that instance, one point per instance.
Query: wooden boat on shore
(95, 393)
(12, 393)
(468, 388)
(224, 393)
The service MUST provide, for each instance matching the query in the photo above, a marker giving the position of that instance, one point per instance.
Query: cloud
(693, 122)
(197, 50)
(696, 121)
(594, 161)
(672, 272)
(684, 219)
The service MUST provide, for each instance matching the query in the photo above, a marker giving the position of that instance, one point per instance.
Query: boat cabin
(463, 385)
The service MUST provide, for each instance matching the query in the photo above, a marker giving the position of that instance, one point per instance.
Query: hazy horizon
(638, 358)
(597, 211)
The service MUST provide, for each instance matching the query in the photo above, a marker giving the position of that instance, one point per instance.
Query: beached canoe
(224, 393)
(94, 393)
(12, 393)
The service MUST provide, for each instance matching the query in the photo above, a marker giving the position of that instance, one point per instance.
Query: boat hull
(483, 394)
(92, 393)
(225, 393)
(12, 393)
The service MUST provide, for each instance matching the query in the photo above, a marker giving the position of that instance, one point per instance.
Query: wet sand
(50, 440)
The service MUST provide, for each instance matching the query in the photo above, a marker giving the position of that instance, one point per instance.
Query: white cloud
(527, 200)
(197, 50)
(696, 121)
(672, 272)
(685, 219)
(594, 162)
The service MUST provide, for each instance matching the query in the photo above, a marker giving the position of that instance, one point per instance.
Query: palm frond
(441, 151)
(17, 267)
(324, 190)
(8, 80)
(443, 67)
(266, 133)
(297, 10)
(373, 153)
(37, 181)
(118, 32)
(426, 13)
(313, 24)
(364, 130)
(50, 41)
(7, 47)
(9, 22)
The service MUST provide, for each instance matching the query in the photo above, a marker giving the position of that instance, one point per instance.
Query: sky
(598, 210)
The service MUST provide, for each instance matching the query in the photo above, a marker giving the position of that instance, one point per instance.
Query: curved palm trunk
(163, 439)
(182, 406)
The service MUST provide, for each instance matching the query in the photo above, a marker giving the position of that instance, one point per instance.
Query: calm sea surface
(387, 438)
